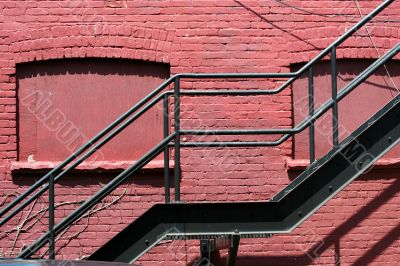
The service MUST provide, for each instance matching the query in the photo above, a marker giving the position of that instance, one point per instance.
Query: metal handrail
(151, 99)
(197, 76)
(81, 210)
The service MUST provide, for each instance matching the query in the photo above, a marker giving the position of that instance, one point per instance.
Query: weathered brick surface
(358, 226)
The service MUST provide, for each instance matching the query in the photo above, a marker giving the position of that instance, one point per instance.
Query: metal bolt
(147, 242)
(300, 214)
(390, 139)
(330, 188)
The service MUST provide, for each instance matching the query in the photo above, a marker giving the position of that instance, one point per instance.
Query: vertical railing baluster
(177, 142)
(166, 150)
(311, 112)
(52, 254)
(335, 133)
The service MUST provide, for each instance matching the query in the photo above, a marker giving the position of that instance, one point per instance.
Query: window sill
(98, 167)
(301, 164)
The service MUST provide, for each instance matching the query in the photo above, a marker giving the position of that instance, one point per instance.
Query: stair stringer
(320, 182)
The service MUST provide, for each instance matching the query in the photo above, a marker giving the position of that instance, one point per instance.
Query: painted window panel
(63, 103)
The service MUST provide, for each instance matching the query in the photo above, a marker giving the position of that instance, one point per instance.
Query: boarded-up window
(63, 103)
(354, 110)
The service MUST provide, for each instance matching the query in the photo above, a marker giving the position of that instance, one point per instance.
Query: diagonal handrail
(96, 198)
(84, 147)
(95, 147)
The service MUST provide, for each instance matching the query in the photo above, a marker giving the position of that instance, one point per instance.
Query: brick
(206, 36)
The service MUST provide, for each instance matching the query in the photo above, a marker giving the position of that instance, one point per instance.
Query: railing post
(166, 150)
(335, 117)
(177, 142)
(233, 250)
(52, 254)
(311, 112)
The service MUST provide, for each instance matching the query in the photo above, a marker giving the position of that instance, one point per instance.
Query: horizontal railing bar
(228, 144)
(237, 131)
(226, 92)
(96, 198)
(237, 92)
(234, 75)
(98, 145)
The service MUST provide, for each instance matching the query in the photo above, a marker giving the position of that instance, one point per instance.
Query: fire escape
(223, 224)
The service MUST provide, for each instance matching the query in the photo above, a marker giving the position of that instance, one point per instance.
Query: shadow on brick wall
(333, 240)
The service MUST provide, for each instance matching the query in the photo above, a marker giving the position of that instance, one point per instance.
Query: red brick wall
(359, 226)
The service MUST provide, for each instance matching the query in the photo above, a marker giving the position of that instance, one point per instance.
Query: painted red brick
(359, 225)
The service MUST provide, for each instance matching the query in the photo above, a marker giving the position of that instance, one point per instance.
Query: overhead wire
(327, 15)
(375, 46)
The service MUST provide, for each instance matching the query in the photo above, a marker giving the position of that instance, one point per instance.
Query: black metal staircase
(282, 214)
(321, 181)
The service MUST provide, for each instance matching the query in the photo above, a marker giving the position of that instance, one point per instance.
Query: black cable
(328, 16)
